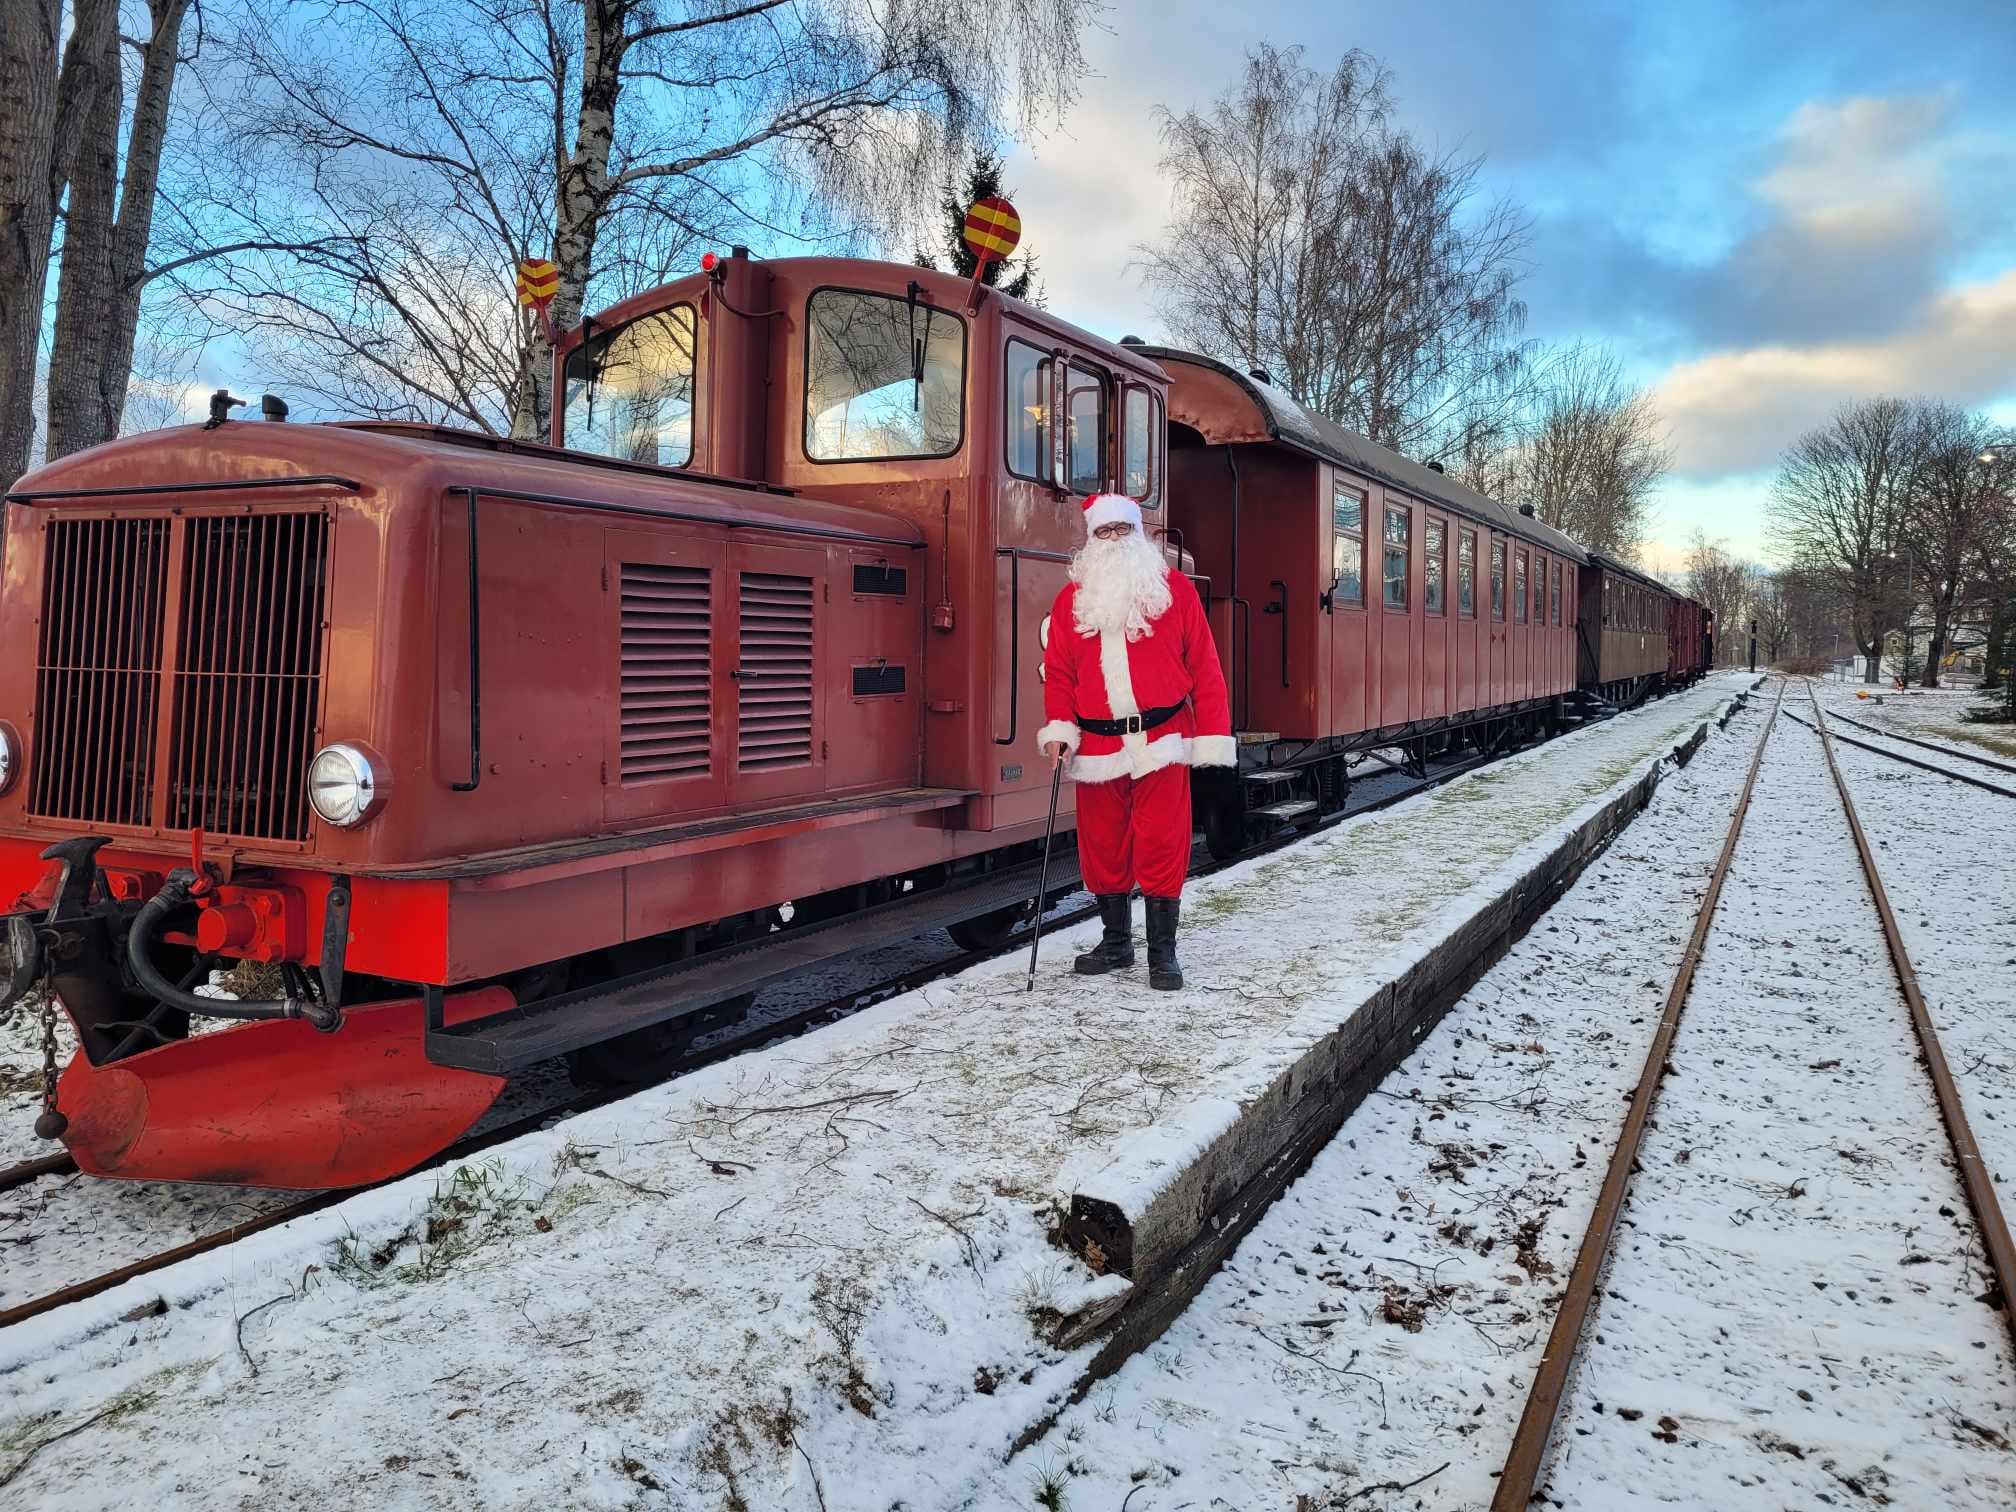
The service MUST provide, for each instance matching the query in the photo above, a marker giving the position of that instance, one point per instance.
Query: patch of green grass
(473, 1206)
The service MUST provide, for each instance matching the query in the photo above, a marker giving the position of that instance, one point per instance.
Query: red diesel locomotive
(498, 751)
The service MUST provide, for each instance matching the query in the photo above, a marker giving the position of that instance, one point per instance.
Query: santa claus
(1133, 697)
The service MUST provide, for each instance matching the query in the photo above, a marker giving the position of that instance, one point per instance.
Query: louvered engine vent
(668, 674)
(774, 672)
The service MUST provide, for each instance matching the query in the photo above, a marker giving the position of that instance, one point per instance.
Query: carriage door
(776, 722)
(667, 589)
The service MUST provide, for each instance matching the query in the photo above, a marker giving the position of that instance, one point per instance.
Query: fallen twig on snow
(966, 1240)
(242, 1317)
(1397, 1485)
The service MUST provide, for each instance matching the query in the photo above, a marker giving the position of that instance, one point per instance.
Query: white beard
(1122, 585)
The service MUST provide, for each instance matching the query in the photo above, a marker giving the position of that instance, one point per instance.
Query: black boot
(1115, 950)
(1165, 972)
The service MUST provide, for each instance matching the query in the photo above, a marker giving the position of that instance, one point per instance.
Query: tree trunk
(1936, 649)
(77, 401)
(28, 32)
(98, 291)
(580, 197)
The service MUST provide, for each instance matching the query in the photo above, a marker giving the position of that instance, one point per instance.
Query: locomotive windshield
(884, 377)
(630, 390)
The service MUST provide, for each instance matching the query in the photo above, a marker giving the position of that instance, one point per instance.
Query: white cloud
(1736, 410)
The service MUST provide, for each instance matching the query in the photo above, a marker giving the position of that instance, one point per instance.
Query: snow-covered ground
(62, 1229)
(1934, 714)
(1753, 1349)
(814, 1276)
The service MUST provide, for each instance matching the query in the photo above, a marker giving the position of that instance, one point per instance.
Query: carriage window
(1137, 443)
(885, 377)
(1436, 541)
(1347, 546)
(1539, 587)
(629, 391)
(1497, 580)
(1028, 418)
(1397, 526)
(1466, 573)
(1085, 429)
(1519, 590)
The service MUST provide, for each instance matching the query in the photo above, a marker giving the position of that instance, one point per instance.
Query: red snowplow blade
(279, 1104)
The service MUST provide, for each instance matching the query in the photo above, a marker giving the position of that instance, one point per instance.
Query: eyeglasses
(1113, 530)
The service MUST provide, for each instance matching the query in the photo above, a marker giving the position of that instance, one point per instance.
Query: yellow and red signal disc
(992, 227)
(538, 282)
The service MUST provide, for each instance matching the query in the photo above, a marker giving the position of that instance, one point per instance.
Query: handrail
(1015, 555)
(36, 496)
(1281, 608)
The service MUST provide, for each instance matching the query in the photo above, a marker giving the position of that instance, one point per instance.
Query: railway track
(1528, 1456)
(1821, 719)
(758, 1036)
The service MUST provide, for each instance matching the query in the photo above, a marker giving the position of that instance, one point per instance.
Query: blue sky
(1764, 208)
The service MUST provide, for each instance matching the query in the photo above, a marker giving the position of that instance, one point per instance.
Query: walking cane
(1043, 877)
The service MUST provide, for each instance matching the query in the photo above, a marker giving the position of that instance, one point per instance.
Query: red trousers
(1136, 830)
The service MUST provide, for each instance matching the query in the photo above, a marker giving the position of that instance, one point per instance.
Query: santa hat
(1109, 509)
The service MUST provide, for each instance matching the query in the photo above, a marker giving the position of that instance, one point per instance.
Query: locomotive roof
(946, 292)
(376, 456)
(1292, 424)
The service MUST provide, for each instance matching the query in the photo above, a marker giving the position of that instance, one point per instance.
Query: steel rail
(1973, 1174)
(768, 1033)
(33, 1170)
(1527, 1456)
(1930, 745)
(1910, 761)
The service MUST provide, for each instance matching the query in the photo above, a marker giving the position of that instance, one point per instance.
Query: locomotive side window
(1085, 428)
(1436, 539)
(1498, 580)
(884, 377)
(1137, 445)
(1028, 418)
(629, 391)
(1397, 528)
(1519, 590)
(1466, 573)
(1347, 546)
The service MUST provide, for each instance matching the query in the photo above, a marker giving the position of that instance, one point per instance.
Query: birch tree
(1592, 453)
(420, 150)
(1311, 237)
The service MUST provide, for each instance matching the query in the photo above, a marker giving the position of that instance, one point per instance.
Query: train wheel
(990, 931)
(651, 1054)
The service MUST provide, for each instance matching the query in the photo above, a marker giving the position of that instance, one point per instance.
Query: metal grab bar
(1280, 607)
(1015, 555)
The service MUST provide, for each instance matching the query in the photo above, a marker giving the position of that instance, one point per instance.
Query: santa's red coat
(1107, 676)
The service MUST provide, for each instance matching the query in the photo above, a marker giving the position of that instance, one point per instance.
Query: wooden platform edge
(1200, 1218)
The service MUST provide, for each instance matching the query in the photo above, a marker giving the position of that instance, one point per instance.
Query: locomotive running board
(507, 1042)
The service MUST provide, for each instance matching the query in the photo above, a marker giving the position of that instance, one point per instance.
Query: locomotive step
(1294, 808)
(1269, 774)
(507, 1042)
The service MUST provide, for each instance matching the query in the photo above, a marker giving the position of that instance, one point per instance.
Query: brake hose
(174, 894)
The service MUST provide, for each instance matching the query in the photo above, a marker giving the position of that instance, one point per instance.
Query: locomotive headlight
(346, 784)
(10, 755)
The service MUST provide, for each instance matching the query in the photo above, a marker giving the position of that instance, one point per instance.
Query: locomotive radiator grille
(774, 727)
(98, 670)
(248, 674)
(667, 701)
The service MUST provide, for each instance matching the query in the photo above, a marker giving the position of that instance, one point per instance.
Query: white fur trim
(1063, 730)
(1110, 509)
(1119, 676)
(1213, 750)
(1137, 759)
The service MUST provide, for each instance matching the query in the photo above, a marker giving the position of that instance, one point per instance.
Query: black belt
(1133, 724)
